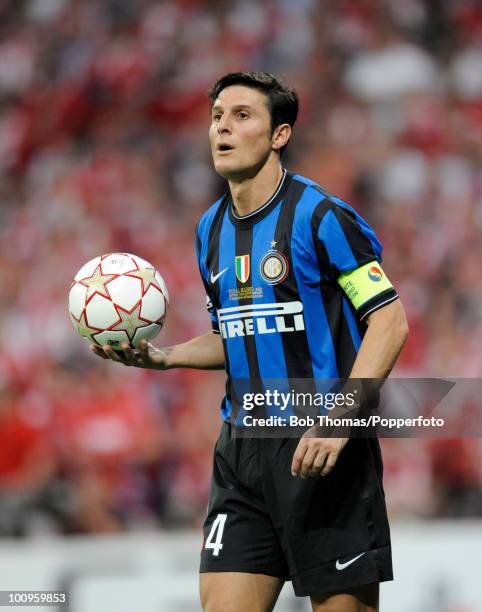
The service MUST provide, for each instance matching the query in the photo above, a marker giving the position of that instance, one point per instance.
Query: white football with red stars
(118, 298)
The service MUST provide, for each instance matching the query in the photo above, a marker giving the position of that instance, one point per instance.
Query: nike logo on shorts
(341, 566)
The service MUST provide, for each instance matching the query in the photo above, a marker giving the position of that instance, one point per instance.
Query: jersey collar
(264, 209)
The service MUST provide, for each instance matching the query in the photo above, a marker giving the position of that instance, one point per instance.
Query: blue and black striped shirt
(271, 283)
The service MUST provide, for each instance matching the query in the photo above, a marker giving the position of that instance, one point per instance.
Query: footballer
(295, 290)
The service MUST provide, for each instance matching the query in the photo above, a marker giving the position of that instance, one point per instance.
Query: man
(295, 291)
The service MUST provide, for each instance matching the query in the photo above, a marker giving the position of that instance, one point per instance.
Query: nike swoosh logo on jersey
(213, 278)
(341, 566)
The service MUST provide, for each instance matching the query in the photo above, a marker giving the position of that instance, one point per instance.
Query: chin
(227, 170)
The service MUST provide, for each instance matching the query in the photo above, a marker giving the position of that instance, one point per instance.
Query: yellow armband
(364, 283)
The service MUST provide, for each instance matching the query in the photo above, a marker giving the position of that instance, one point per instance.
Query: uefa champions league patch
(274, 267)
(364, 283)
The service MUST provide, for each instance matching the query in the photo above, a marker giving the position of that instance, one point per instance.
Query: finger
(98, 351)
(330, 463)
(129, 355)
(308, 460)
(144, 351)
(111, 354)
(319, 462)
(298, 457)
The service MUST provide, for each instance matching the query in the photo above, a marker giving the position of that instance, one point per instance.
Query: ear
(280, 137)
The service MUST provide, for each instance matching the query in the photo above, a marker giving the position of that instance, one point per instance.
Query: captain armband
(367, 288)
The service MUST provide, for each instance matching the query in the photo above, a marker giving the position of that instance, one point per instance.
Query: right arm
(203, 352)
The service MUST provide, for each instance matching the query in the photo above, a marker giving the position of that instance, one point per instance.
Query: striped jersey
(272, 283)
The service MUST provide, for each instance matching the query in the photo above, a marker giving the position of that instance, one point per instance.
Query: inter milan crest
(242, 267)
(274, 267)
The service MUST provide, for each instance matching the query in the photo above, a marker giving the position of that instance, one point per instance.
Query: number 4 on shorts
(215, 537)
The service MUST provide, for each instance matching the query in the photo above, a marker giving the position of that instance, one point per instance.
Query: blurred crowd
(103, 147)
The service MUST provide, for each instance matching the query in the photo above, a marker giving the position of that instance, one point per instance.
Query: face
(240, 132)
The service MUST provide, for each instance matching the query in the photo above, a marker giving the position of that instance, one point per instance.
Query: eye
(217, 117)
(243, 115)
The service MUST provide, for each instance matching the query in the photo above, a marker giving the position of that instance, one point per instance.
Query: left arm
(384, 339)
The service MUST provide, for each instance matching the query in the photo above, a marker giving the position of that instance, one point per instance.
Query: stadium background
(103, 147)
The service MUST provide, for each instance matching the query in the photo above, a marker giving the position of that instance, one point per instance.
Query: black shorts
(324, 534)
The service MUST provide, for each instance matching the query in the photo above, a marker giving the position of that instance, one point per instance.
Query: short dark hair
(283, 100)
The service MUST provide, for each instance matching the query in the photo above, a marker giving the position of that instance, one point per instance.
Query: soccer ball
(118, 298)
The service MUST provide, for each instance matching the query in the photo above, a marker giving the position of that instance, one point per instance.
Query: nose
(224, 125)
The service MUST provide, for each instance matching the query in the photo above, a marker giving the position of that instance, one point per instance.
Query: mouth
(224, 148)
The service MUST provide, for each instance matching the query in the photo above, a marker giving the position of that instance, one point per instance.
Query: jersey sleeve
(213, 315)
(350, 253)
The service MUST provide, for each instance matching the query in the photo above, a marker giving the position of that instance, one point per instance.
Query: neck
(250, 193)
